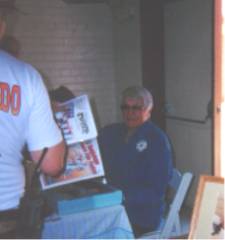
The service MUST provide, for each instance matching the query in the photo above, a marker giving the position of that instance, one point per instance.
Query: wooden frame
(208, 212)
(218, 37)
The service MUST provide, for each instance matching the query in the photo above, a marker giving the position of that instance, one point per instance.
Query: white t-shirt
(25, 117)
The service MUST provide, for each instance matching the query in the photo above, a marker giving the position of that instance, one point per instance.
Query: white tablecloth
(108, 222)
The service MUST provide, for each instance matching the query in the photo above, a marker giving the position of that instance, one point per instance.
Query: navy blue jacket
(141, 168)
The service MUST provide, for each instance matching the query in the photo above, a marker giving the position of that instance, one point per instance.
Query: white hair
(137, 92)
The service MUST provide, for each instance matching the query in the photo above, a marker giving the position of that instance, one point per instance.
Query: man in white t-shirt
(25, 117)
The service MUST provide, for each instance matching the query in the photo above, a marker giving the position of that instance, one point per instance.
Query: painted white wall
(188, 78)
(90, 48)
(71, 44)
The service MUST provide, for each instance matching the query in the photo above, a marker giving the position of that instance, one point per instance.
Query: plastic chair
(170, 226)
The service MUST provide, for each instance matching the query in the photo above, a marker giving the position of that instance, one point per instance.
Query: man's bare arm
(53, 160)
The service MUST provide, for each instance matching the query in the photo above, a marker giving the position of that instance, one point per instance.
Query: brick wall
(90, 48)
(70, 44)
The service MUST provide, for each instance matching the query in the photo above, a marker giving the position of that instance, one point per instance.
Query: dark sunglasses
(131, 108)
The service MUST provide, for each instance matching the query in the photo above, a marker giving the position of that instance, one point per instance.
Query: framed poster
(208, 214)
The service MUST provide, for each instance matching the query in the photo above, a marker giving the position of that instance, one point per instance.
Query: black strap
(37, 169)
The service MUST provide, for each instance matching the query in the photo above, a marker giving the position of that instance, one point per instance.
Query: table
(101, 223)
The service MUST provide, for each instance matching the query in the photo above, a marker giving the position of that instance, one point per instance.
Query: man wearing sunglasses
(138, 160)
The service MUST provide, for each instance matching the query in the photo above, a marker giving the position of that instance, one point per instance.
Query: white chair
(170, 226)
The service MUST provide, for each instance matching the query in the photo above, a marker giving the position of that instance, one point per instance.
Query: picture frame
(207, 220)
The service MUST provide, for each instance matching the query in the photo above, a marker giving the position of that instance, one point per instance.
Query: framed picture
(208, 214)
